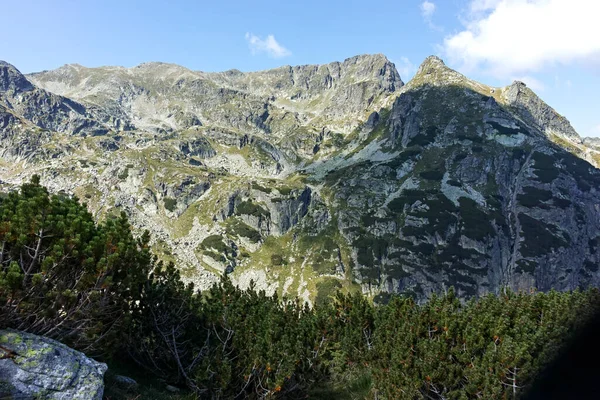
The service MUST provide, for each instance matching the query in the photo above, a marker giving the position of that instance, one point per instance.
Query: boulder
(34, 366)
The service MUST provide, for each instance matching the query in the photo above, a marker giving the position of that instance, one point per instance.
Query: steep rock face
(43, 109)
(11, 80)
(163, 97)
(310, 178)
(37, 367)
(338, 89)
(471, 196)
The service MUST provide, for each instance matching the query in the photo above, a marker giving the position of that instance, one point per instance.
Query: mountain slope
(474, 196)
(47, 110)
(309, 178)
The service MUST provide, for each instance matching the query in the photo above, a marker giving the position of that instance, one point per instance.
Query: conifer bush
(97, 287)
(63, 276)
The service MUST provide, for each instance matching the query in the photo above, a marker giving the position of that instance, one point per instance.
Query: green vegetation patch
(124, 174)
(249, 208)
(369, 219)
(438, 210)
(370, 249)
(395, 271)
(214, 242)
(403, 157)
(407, 197)
(540, 238)
(562, 203)
(426, 137)
(518, 153)
(544, 167)
(474, 221)
(327, 288)
(277, 260)
(257, 186)
(335, 175)
(534, 197)
(236, 227)
(170, 203)
(440, 214)
(432, 175)
(583, 172)
(285, 191)
(591, 266)
(214, 247)
(324, 248)
(455, 253)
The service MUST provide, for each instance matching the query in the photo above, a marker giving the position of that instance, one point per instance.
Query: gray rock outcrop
(35, 367)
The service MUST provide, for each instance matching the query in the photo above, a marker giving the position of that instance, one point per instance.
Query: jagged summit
(163, 97)
(432, 62)
(434, 72)
(12, 79)
(517, 96)
(360, 68)
(535, 111)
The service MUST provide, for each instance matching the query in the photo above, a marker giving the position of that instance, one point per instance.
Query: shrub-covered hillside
(97, 287)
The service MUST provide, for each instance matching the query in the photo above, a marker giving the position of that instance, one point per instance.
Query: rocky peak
(434, 72)
(372, 66)
(163, 97)
(154, 67)
(75, 66)
(516, 91)
(536, 112)
(11, 79)
(430, 64)
(304, 81)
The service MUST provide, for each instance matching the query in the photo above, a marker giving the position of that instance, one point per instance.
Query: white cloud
(269, 45)
(514, 37)
(483, 5)
(405, 68)
(427, 9)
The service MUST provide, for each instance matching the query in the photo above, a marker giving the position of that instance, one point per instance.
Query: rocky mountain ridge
(309, 178)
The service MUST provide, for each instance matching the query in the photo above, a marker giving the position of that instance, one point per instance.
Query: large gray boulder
(34, 366)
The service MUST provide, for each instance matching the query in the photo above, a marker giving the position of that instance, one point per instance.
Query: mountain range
(310, 178)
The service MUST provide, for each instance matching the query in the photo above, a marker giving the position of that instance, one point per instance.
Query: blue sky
(553, 45)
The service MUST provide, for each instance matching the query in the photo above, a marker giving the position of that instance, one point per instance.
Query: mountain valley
(311, 178)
